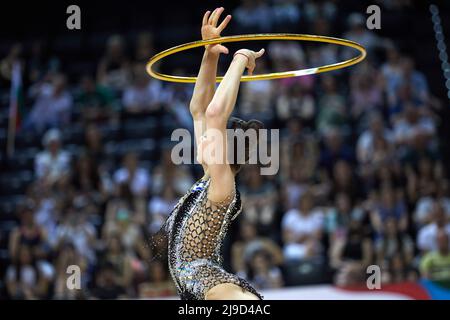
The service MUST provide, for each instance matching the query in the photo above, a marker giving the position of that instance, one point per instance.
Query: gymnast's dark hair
(237, 123)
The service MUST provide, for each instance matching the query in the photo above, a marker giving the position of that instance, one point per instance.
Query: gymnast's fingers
(223, 49)
(205, 17)
(211, 17)
(250, 68)
(259, 53)
(224, 23)
(217, 16)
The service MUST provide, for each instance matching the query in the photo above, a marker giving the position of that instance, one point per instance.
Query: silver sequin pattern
(196, 229)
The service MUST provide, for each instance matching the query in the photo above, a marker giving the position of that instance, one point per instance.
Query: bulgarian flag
(16, 105)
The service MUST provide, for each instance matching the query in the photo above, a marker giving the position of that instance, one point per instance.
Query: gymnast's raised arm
(206, 80)
(217, 115)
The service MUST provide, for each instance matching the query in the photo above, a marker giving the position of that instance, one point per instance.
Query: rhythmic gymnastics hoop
(254, 37)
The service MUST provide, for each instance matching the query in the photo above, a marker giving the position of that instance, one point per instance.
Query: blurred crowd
(361, 179)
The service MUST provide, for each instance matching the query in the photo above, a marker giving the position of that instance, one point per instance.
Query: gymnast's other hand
(251, 57)
(210, 30)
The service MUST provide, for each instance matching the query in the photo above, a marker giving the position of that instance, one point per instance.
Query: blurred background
(363, 177)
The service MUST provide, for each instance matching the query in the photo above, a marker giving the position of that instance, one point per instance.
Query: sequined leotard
(196, 229)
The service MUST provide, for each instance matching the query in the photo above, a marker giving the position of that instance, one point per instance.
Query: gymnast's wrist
(239, 56)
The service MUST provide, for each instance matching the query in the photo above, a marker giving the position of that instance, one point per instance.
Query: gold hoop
(254, 37)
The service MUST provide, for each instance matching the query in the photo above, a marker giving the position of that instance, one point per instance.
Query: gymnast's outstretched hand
(251, 57)
(210, 30)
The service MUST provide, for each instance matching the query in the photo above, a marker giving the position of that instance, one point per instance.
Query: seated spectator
(259, 200)
(339, 216)
(424, 206)
(52, 107)
(159, 208)
(122, 206)
(144, 95)
(96, 102)
(344, 180)
(390, 205)
(144, 47)
(136, 177)
(302, 229)
(27, 233)
(351, 254)
(393, 243)
(76, 229)
(120, 261)
(159, 284)
(106, 284)
(114, 68)
(331, 106)
(52, 164)
(411, 125)
(262, 272)
(68, 256)
(427, 235)
(296, 101)
(435, 265)
(85, 175)
(366, 91)
(286, 14)
(398, 271)
(119, 223)
(26, 278)
(365, 147)
(359, 33)
(249, 242)
(253, 15)
(317, 9)
(334, 149)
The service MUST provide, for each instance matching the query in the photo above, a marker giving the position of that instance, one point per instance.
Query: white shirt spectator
(159, 209)
(139, 183)
(300, 225)
(427, 237)
(365, 144)
(424, 208)
(51, 109)
(405, 130)
(51, 166)
(143, 97)
(80, 235)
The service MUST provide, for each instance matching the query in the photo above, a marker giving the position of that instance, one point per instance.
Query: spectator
(137, 178)
(427, 235)
(435, 265)
(391, 205)
(106, 284)
(76, 229)
(262, 272)
(145, 95)
(52, 107)
(302, 229)
(159, 284)
(259, 199)
(119, 260)
(253, 15)
(68, 256)
(250, 242)
(96, 102)
(394, 246)
(52, 164)
(114, 68)
(351, 255)
(160, 207)
(25, 279)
